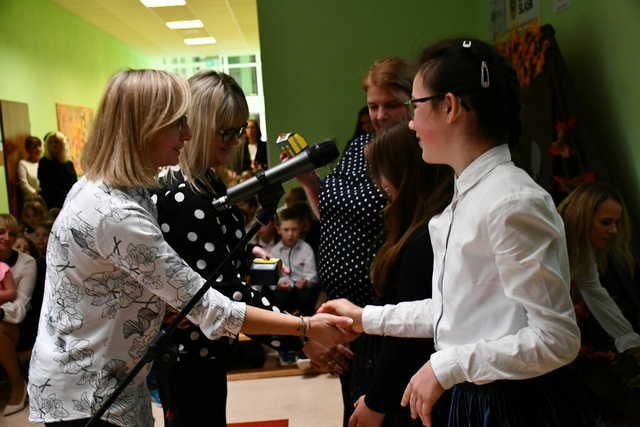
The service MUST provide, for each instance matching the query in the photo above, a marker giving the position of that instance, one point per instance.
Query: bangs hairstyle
(52, 138)
(578, 210)
(9, 221)
(217, 102)
(393, 74)
(450, 67)
(423, 190)
(136, 105)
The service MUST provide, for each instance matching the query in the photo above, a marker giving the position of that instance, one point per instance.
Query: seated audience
(33, 213)
(41, 237)
(297, 286)
(23, 244)
(597, 228)
(56, 172)
(13, 312)
(28, 168)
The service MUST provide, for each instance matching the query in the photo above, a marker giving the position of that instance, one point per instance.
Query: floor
(306, 401)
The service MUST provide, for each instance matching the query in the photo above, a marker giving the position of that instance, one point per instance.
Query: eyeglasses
(230, 133)
(181, 124)
(411, 103)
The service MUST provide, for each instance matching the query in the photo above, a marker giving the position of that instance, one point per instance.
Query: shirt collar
(481, 167)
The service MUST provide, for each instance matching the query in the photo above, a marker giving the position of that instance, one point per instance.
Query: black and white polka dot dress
(350, 227)
(203, 237)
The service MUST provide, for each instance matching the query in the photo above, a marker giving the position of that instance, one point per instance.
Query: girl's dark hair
(359, 130)
(259, 132)
(422, 190)
(32, 142)
(484, 80)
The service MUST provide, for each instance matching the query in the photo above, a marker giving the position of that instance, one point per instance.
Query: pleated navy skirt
(552, 400)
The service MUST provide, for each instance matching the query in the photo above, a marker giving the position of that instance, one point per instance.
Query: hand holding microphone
(314, 156)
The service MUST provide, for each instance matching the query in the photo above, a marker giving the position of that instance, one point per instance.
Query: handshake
(336, 322)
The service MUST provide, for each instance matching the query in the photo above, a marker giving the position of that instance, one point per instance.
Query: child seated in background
(8, 290)
(296, 288)
(267, 236)
(41, 237)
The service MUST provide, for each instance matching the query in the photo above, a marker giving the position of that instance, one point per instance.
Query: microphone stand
(268, 199)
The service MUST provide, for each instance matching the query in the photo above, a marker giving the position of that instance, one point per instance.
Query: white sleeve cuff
(372, 320)
(446, 368)
(627, 341)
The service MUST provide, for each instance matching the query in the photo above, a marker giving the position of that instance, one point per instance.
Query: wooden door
(15, 127)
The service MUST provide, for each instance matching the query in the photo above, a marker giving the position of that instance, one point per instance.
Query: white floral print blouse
(109, 274)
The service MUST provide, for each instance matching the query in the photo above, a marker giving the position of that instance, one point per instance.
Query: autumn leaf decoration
(526, 48)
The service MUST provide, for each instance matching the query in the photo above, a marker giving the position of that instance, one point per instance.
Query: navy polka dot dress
(203, 237)
(350, 228)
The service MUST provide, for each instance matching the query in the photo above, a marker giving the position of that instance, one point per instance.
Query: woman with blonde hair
(12, 313)
(203, 236)
(598, 233)
(55, 171)
(110, 272)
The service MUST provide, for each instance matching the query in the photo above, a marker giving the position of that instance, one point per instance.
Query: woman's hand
(422, 392)
(364, 417)
(335, 360)
(307, 179)
(635, 353)
(344, 307)
(330, 330)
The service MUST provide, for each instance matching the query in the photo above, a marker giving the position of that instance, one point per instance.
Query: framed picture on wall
(74, 122)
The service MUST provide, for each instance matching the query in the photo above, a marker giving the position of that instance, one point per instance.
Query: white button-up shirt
(605, 310)
(501, 307)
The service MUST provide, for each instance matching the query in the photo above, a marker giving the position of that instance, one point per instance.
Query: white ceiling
(234, 24)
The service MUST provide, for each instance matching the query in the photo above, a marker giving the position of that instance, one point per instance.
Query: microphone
(313, 157)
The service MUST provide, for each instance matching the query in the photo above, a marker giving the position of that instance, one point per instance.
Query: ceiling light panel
(163, 3)
(199, 41)
(183, 25)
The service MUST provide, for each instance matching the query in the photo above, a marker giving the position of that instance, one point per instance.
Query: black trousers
(193, 390)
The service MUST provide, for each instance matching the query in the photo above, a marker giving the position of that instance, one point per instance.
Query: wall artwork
(75, 123)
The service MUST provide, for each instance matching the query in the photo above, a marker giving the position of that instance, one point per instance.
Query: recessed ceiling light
(163, 3)
(181, 25)
(200, 40)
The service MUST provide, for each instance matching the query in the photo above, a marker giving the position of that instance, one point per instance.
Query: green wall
(315, 53)
(49, 56)
(598, 40)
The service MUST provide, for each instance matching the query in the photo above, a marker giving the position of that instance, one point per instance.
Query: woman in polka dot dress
(111, 273)
(348, 204)
(204, 236)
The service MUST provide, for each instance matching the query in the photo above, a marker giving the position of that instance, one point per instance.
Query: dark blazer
(242, 161)
(56, 179)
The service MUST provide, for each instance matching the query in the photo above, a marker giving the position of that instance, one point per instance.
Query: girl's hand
(422, 392)
(329, 330)
(344, 307)
(364, 417)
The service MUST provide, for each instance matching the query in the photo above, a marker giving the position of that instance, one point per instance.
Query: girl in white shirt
(501, 308)
(110, 271)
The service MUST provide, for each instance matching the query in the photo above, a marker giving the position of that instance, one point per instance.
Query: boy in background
(296, 291)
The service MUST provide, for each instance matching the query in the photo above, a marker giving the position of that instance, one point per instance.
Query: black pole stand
(268, 198)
